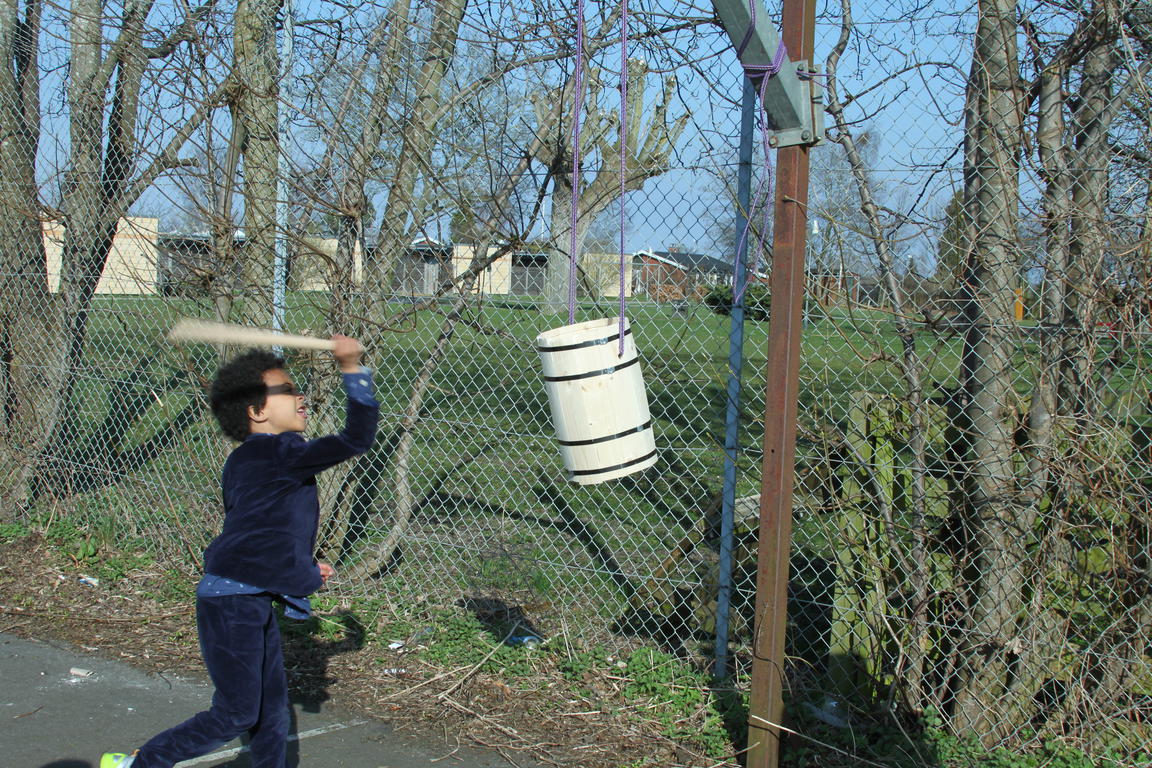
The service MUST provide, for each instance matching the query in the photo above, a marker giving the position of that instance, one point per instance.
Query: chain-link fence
(972, 550)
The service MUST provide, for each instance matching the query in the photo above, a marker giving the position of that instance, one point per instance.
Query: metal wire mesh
(971, 536)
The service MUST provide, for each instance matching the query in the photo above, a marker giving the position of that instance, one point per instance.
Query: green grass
(487, 398)
(487, 393)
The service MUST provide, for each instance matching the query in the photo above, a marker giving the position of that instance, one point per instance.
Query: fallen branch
(511, 732)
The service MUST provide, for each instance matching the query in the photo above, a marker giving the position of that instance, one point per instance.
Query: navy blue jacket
(271, 509)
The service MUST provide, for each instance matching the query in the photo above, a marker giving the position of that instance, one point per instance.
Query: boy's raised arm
(314, 456)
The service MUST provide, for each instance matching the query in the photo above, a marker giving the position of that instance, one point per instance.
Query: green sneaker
(117, 760)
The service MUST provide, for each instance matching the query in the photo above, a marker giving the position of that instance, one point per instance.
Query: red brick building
(675, 275)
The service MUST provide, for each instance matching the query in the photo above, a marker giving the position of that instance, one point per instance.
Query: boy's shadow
(308, 646)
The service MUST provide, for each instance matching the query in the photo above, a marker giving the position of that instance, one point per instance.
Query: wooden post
(766, 706)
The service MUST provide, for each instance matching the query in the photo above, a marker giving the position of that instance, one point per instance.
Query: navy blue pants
(240, 643)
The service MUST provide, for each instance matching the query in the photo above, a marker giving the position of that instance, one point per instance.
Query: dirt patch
(145, 617)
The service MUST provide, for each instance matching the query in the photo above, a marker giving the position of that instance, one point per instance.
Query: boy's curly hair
(238, 385)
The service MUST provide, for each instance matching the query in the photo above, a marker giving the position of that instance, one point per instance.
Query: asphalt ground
(60, 708)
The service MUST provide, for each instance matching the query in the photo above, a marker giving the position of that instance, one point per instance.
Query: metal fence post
(283, 122)
(735, 368)
(782, 383)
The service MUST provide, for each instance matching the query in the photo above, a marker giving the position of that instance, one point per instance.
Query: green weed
(877, 738)
(459, 639)
(665, 689)
(114, 566)
(576, 665)
(12, 532)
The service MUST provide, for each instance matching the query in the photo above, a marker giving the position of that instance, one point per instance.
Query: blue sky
(914, 115)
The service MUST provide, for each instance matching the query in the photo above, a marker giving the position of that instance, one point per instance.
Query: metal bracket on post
(793, 101)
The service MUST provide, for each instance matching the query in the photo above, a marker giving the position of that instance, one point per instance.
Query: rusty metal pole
(782, 384)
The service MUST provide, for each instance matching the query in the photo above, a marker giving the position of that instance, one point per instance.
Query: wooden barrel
(599, 406)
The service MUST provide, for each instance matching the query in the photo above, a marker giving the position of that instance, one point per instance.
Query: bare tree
(406, 138)
(253, 103)
(28, 315)
(910, 560)
(107, 169)
(643, 150)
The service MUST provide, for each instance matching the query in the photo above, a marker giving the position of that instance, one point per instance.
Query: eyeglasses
(285, 389)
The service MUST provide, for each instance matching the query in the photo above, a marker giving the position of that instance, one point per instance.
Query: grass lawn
(490, 526)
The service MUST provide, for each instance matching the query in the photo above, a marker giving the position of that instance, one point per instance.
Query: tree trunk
(403, 215)
(352, 200)
(103, 87)
(102, 154)
(1042, 631)
(399, 446)
(254, 112)
(1092, 118)
(30, 364)
(360, 488)
(640, 154)
(560, 272)
(996, 527)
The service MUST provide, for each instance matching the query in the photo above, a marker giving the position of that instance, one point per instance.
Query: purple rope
(751, 28)
(623, 153)
(760, 70)
(763, 73)
(578, 101)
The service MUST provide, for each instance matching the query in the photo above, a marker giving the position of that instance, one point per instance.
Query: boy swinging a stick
(263, 555)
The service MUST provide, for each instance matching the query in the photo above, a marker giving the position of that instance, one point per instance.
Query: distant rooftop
(693, 262)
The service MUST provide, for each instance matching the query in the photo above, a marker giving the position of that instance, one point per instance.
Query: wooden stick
(241, 335)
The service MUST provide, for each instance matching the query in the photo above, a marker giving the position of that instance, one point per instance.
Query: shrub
(757, 301)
